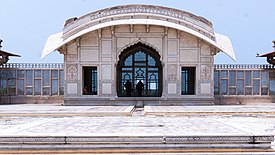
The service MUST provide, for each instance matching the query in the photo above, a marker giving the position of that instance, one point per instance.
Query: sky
(26, 24)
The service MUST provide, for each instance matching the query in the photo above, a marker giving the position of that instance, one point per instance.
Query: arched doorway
(139, 63)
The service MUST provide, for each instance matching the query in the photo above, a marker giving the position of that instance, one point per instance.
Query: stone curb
(207, 113)
(67, 114)
(138, 139)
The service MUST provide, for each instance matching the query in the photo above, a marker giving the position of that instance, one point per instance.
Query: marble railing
(34, 65)
(61, 66)
(243, 66)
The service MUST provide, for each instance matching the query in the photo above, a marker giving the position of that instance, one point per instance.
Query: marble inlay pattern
(205, 72)
(72, 73)
(172, 72)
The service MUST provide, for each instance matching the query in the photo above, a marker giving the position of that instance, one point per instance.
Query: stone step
(135, 142)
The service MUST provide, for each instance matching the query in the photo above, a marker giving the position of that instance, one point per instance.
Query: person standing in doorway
(85, 90)
(139, 87)
(128, 87)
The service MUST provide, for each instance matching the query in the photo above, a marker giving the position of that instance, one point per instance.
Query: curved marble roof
(139, 14)
(189, 20)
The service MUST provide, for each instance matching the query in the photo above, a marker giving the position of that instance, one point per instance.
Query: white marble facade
(101, 48)
(190, 45)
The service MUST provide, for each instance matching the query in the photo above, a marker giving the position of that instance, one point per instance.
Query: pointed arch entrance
(139, 62)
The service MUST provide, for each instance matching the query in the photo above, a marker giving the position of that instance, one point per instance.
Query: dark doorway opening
(139, 64)
(90, 81)
(188, 80)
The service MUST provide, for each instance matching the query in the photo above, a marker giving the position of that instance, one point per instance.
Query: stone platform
(263, 109)
(139, 101)
(57, 110)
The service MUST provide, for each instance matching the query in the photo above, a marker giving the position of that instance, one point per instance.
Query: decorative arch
(139, 62)
(139, 42)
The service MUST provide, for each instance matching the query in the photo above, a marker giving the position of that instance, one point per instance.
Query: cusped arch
(139, 62)
(141, 42)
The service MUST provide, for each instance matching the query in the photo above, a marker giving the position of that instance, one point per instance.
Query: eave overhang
(4, 53)
(269, 54)
(147, 15)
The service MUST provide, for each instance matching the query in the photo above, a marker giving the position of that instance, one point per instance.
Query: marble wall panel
(89, 54)
(122, 28)
(172, 59)
(90, 40)
(135, 40)
(188, 40)
(205, 72)
(156, 42)
(71, 88)
(139, 28)
(205, 49)
(107, 47)
(172, 72)
(172, 88)
(72, 49)
(206, 59)
(71, 57)
(172, 47)
(122, 42)
(189, 55)
(172, 33)
(106, 88)
(106, 32)
(107, 59)
(106, 72)
(72, 73)
(156, 29)
(206, 88)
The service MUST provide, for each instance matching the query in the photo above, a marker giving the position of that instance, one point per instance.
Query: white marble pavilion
(170, 51)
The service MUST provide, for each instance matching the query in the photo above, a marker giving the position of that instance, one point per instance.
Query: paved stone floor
(251, 120)
(96, 126)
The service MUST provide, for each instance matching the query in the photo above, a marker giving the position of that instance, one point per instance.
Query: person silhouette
(128, 87)
(139, 87)
(85, 90)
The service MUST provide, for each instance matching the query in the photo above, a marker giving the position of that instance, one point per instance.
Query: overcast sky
(26, 24)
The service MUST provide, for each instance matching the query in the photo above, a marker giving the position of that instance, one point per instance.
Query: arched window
(139, 63)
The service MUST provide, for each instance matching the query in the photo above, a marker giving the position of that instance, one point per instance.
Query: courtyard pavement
(58, 110)
(56, 120)
(33, 119)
